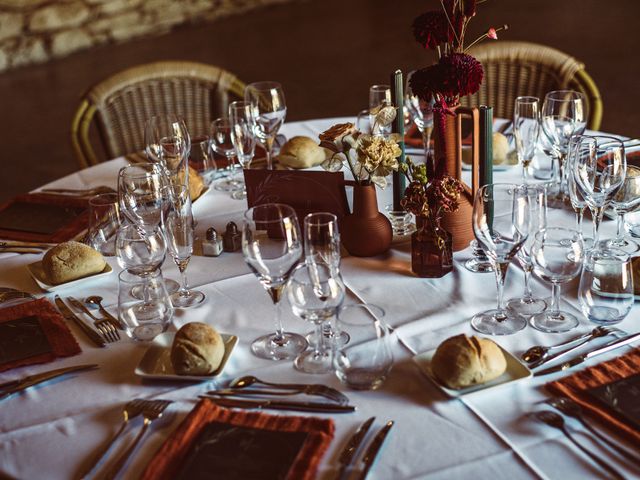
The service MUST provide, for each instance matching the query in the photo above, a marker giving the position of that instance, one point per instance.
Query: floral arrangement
(370, 158)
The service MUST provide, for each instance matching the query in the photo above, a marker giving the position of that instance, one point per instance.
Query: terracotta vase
(365, 232)
(447, 159)
(431, 254)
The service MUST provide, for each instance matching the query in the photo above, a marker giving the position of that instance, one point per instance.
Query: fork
(131, 410)
(572, 409)
(151, 410)
(555, 420)
(104, 325)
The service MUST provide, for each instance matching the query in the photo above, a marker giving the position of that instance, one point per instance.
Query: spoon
(95, 302)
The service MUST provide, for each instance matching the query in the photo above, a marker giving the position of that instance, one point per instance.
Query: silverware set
(292, 388)
(349, 451)
(100, 332)
(107, 327)
(16, 386)
(79, 192)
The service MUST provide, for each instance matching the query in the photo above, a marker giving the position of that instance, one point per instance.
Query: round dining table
(53, 431)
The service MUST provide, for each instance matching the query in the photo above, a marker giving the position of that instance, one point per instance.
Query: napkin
(168, 460)
(61, 342)
(575, 386)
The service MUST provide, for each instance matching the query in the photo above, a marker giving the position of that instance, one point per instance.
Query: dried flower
(432, 29)
(461, 75)
(378, 155)
(492, 34)
(338, 138)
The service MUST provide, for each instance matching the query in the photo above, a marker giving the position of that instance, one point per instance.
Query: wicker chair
(119, 105)
(514, 69)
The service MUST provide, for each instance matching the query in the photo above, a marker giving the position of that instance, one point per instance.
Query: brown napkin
(168, 459)
(575, 385)
(61, 341)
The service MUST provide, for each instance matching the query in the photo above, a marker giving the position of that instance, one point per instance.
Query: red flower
(426, 82)
(460, 75)
(432, 29)
(492, 34)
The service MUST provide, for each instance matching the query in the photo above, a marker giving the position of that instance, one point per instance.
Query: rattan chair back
(515, 69)
(119, 105)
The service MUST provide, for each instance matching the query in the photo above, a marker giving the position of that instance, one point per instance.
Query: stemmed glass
(168, 143)
(577, 148)
(501, 226)
(528, 304)
(272, 247)
(421, 113)
(242, 127)
(526, 129)
(563, 115)
(557, 254)
(269, 109)
(140, 194)
(379, 98)
(306, 303)
(178, 224)
(626, 200)
(222, 144)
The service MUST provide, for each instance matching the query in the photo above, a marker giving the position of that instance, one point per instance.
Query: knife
(70, 316)
(374, 448)
(349, 450)
(281, 405)
(16, 386)
(578, 360)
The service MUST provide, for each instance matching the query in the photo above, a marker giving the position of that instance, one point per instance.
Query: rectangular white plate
(515, 371)
(156, 362)
(36, 271)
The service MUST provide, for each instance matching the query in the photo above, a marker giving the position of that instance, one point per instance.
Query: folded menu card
(592, 389)
(214, 442)
(33, 332)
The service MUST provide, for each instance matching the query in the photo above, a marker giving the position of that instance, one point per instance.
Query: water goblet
(272, 247)
(140, 194)
(501, 226)
(606, 286)
(242, 135)
(526, 129)
(269, 110)
(557, 255)
(303, 293)
(379, 98)
(168, 143)
(420, 113)
(626, 200)
(222, 144)
(479, 262)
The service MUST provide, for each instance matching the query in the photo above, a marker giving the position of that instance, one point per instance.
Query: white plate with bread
(462, 365)
(157, 364)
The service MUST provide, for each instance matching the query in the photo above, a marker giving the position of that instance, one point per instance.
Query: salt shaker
(231, 238)
(212, 244)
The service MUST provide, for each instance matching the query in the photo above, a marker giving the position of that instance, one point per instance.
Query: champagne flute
(557, 254)
(269, 110)
(501, 226)
(626, 200)
(526, 129)
(222, 144)
(168, 143)
(178, 224)
(242, 135)
(379, 98)
(272, 247)
(140, 194)
(577, 148)
(421, 113)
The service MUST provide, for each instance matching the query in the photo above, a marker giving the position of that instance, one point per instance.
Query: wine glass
(242, 127)
(501, 226)
(272, 247)
(528, 304)
(379, 98)
(168, 143)
(626, 200)
(178, 224)
(526, 129)
(140, 194)
(140, 253)
(606, 286)
(302, 291)
(557, 254)
(420, 113)
(577, 148)
(599, 172)
(563, 115)
(269, 110)
(222, 144)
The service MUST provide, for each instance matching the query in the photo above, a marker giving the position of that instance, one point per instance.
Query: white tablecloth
(52, 431)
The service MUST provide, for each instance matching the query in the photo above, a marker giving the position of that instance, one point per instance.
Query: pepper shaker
(212, 245)
(231, 238)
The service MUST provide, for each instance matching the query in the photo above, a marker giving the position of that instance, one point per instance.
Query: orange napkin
(575, 385)
(61, 340)
(167, 461)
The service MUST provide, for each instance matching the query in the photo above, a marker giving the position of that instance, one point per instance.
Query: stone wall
(34, 31)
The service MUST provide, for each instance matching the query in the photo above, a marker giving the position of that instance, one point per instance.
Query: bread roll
(301, 152)
(500, 149)
(71, 260)
(461, 361)
(197, 350)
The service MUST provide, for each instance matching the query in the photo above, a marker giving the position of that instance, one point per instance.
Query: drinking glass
(140, 194)
(242, 127)
(563, 115)
(168, 143)
(528, 304)
(179, 229)
(379, 98)
(599, 172)
(365, 362)
(272, 247)
(577, 148)
(501, 226)
(140, 253)
(526, 129)
(144, 318)
(269, 110)
(479, 262)
(626, 200)
(606, 286)
(314, 295)
(420, 113)
(557, 254)
(201, 158)
(104, 220)
(222, 144)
